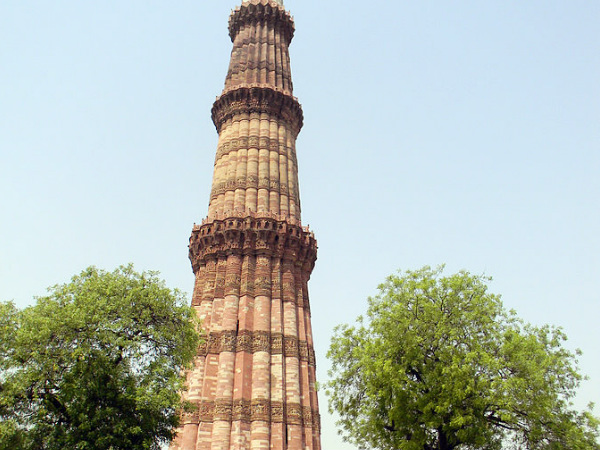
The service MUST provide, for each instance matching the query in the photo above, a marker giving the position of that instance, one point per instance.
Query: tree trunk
(443, 443)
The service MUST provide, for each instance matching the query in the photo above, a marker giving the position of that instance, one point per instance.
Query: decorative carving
(261, 410)
(223, 410)
(242, 410)
(255, 410)
(248, 289)
(213, 342)
(307, 416)
(290, 346)
(293, 414)
(288, 289)
(206, 411)
(257, 341)
(249, 182)
(241, 216)
(274, 238)
(232, 284)
(258, 12)
(263, 183)
(259, 98)
(303, 350)
(261, 341)
(252, 141)
(262, 284)
(277, 412)
(244, 341)
(312, 360)
(276, 344)
(228, 340)
(316, 421)
(190, 417)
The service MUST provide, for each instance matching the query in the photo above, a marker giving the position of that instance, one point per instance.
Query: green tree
(439, 364)
(96, 364)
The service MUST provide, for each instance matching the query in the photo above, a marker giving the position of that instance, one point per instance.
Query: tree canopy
(439, 364)
(96, 364)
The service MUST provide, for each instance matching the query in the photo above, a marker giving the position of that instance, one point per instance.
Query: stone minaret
(253, 383)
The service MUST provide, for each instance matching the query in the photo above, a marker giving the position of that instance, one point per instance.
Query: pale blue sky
(463, 132)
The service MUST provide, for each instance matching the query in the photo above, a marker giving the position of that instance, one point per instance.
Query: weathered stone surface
(253, 381)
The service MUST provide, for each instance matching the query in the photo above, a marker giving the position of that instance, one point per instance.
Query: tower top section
(258, 12)
(261, 32)
(258, 119)
(259, 78)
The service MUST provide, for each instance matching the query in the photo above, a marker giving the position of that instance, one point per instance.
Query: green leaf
(95, 364)
(438, 363)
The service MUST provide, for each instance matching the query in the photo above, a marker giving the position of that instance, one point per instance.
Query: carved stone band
(261, 11)
(259, 99)
(248, 411)
(262, 142)
(257, 341)
(274, 289)
(257, 236)
(256, 183)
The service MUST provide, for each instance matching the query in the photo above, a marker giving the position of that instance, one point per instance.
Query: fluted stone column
(253, 381)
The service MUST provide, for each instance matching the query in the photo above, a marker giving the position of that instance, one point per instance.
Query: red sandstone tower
(253, 384)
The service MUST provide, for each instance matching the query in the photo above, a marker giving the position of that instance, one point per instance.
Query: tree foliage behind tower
(96, 364)
(439, 364)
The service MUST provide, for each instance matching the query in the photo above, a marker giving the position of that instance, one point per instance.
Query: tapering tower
(253, 384)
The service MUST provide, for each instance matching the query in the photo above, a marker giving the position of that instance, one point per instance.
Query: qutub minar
(253, 381)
